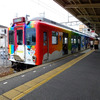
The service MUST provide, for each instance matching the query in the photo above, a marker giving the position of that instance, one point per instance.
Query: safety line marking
(5, 83)
(33, 84)
(44, 67)
(22, 75)
(34, 71)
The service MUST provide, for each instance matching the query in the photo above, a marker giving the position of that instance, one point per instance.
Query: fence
(4, 62)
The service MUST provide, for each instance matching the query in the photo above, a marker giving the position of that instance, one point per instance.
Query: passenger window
(54, 37)
(72, 40)
(45, 38)
(65, 40)
(11, 37)
(82, 41)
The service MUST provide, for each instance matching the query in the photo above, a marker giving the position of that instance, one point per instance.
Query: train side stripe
(12, 49)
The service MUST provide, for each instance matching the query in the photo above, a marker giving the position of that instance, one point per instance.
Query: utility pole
(5, 45)
(16, 15)
(42, 14)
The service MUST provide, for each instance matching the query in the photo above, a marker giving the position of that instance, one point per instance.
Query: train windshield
(30, 36)
(19, 37)
(11, 37)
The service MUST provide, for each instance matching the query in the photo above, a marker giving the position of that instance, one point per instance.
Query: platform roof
(87, 11)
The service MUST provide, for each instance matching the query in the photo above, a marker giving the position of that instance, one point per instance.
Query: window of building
(2, 30)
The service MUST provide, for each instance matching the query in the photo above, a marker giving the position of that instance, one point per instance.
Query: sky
(10, 9)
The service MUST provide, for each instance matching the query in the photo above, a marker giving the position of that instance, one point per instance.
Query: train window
(54, 37)
(82, 41)
(19, 37)
(65, 40)
(72, 40)
(86, 40)
(79, 41)
(30, 36)
(75, 41)
(45, 38)
(11, 37)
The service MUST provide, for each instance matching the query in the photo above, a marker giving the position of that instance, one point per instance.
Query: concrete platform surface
(72, 78)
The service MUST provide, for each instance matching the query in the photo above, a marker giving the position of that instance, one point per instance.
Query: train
(41, 40)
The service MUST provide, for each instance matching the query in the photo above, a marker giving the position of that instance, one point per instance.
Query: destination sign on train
(19, 20)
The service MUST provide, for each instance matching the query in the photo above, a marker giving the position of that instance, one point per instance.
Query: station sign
(19, 20)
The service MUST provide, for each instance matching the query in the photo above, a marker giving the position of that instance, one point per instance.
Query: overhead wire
(40, 3)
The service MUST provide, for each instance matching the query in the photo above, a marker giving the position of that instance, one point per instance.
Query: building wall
(2, 37)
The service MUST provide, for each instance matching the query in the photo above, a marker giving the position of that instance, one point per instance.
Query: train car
(41, 40)
(75, 42)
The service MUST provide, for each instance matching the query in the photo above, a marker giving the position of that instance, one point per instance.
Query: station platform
(75, 77)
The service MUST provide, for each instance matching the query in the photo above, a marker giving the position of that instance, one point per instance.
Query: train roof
(58, 24)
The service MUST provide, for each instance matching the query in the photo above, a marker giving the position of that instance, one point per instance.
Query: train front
(22, 41)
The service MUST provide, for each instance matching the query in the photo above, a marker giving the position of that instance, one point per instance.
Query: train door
(65, 43)
(45, 46)
(79, 43)
(19, 54)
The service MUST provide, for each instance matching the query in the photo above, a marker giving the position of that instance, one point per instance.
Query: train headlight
(34, 58)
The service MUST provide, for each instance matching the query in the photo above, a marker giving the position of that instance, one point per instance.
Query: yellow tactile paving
(3, 98)
(49, 73)
(39, 79)
(30, 83)
(11, 94)
(22, 90)
(57, 69)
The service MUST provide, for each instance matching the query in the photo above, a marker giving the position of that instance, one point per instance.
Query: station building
(3, 37)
